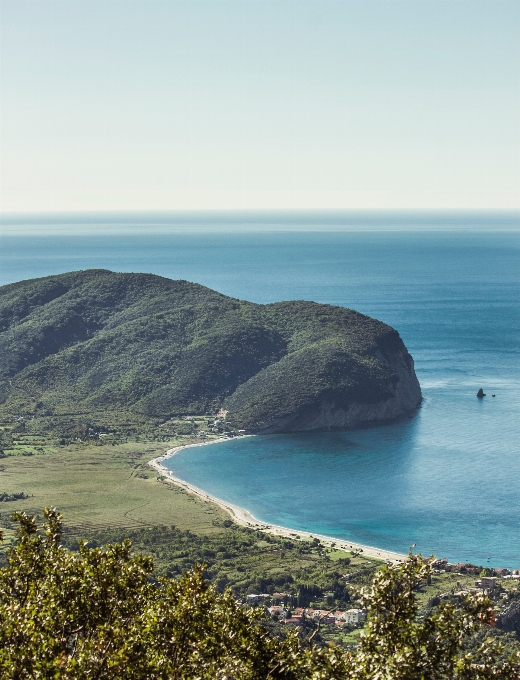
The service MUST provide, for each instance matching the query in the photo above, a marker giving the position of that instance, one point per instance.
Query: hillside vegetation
(95, 340)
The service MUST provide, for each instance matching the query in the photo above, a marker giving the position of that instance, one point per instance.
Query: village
(298, 616)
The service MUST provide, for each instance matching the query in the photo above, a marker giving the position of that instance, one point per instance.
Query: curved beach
(245, 518)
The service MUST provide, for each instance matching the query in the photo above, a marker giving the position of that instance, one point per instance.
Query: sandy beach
(245, 518)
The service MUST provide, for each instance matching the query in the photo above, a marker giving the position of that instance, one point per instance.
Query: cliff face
(338, 405)
(333, 411)
(94, 341)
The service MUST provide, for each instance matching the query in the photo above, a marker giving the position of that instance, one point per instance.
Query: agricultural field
(100, 487)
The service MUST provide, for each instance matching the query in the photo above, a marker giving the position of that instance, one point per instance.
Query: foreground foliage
(98, 613)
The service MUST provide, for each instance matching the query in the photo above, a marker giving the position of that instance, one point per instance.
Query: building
(293, 621)
(354, 615)
(330, 618)
(441, 563)
(275, 610)
(487, 583)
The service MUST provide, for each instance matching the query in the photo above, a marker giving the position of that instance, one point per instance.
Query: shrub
(98, 613)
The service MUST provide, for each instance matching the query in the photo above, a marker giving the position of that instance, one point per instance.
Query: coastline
(245, 518)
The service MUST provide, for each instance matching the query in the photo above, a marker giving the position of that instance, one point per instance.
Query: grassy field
(100, 487)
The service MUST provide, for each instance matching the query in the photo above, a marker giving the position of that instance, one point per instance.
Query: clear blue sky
(150, 104)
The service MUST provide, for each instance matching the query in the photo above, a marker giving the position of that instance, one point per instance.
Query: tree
(99, 614)
(396, 644)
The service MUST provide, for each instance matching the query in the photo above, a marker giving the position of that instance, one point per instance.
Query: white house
(354, 615)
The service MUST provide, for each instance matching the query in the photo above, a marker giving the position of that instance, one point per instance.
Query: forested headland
(95, 341)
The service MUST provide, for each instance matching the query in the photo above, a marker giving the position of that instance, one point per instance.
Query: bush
(99, 613)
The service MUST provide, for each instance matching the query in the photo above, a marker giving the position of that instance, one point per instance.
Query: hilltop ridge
(97, 339)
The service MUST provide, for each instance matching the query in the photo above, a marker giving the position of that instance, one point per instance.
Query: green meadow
(100, 487)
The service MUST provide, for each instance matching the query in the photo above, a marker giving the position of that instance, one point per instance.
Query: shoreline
(244, 518)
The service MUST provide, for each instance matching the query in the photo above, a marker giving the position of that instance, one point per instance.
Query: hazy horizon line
(119, 221)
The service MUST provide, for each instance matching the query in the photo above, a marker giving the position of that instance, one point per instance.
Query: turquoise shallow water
(447, 479)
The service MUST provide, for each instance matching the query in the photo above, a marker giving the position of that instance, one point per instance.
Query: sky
(259, 104)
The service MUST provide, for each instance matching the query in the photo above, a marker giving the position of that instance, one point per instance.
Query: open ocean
(446, 479)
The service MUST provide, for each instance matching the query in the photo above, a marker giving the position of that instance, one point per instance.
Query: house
(442, 563)
(252, 598)
(275, 610)
(294, 621)
(330, 618)
(310, 613)
(354, 615)
(487, 583)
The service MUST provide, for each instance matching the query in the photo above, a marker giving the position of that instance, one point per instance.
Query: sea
(446, 478)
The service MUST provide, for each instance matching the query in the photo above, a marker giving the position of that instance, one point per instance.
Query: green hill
(97, 340)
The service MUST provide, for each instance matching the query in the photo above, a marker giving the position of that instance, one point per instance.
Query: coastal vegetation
(101, 612)
(108, 494)
(142, 346)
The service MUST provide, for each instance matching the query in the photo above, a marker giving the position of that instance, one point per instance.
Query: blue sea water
(446, 479)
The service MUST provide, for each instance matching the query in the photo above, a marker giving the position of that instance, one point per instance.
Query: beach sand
(245, 518)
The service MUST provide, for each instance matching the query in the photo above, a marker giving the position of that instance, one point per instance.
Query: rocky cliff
(337, 405)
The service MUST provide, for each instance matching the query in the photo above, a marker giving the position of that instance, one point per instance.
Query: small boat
(492, 395)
